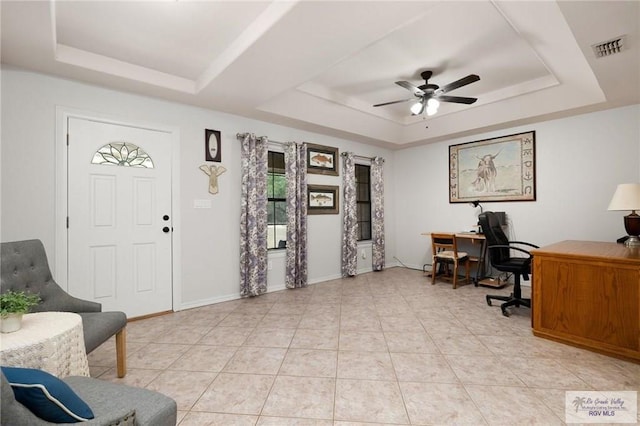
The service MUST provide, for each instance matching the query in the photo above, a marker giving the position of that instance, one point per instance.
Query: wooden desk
(479, 260)
(587, 294)
(50, 341)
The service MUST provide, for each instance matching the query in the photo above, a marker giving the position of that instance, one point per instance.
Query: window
(122, 154)
(277, 201)
(363, 201)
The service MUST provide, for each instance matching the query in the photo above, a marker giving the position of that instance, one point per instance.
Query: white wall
(579, 162)
(209, 237)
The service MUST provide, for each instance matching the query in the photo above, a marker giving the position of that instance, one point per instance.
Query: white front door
(119, 216)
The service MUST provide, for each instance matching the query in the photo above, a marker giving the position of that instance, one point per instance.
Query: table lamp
(476, 203)
(627, 197)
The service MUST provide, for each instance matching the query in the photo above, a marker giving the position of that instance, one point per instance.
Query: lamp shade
(433, 103)
(416, 108)
(626, 197)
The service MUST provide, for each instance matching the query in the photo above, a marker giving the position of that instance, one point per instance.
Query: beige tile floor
(380, 348)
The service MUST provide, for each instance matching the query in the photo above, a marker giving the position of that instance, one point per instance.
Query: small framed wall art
(323, 199)
(212, 145)
(322, 160)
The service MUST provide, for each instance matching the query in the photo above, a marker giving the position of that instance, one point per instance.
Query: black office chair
(500, 257)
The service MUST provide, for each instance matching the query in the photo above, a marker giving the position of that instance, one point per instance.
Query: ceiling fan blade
(414, 89)
(393, 102)
(456, 99)
(471, 78)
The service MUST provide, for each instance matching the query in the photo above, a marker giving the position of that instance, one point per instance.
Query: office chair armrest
(524, 243)
(522, 251)
(509, 246)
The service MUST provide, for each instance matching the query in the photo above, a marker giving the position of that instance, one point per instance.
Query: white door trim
(59, 260)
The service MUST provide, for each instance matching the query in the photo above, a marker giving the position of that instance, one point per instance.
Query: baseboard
(205, 302)
(325, 278)
(270, 289)
(229, 297)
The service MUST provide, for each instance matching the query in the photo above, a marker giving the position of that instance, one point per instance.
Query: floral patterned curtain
(377, 214)
(349, 217)
(296, 175)
(253, 216)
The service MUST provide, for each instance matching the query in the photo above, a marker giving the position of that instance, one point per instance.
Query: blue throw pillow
(46, 396)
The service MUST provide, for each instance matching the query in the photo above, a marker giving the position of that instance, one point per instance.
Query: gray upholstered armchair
(24, 267)
(111, 403)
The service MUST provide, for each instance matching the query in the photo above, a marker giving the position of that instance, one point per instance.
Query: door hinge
(67, 222)
(67, 139)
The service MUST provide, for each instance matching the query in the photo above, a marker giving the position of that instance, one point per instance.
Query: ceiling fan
(429, 95)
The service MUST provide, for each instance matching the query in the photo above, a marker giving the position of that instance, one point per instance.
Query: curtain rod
(242, 135)
(361, 157)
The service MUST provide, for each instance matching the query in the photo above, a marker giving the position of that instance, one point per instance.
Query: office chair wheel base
(488, 301)
(505, 313)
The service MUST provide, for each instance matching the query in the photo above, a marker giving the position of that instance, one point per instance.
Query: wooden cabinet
(587, 294)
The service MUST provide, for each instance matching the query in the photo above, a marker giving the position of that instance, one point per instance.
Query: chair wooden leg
(434, 270)
(121, 352)
(467, 274)
(455, 275)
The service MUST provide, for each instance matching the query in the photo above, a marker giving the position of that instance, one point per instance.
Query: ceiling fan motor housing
(429, 88)
(426, 87)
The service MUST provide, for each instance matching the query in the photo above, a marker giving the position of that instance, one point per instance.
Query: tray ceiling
(320, 66)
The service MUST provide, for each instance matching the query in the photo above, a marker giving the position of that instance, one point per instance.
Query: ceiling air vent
(610, 47)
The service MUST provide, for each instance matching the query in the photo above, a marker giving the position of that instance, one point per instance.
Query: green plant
(17, 302)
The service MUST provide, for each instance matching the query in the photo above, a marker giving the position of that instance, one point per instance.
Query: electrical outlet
(364, 254)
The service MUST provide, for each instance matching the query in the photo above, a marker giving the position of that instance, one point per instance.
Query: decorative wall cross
(213, 172)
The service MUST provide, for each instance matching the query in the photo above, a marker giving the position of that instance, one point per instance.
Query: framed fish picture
(323, 199)
(322, 160)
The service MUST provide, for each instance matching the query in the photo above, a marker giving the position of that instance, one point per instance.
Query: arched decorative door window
(122, 154)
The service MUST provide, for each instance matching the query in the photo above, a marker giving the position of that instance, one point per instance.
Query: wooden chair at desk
(445, 252)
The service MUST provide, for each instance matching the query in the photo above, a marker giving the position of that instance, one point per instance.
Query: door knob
(165, 229)
(165, 217)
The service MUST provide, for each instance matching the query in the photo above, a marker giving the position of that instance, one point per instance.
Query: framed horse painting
(497, 169)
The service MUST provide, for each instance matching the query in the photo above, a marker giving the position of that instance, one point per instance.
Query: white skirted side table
(50, 341)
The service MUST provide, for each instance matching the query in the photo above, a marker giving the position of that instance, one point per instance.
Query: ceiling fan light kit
(432, 106)
(430, 95)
